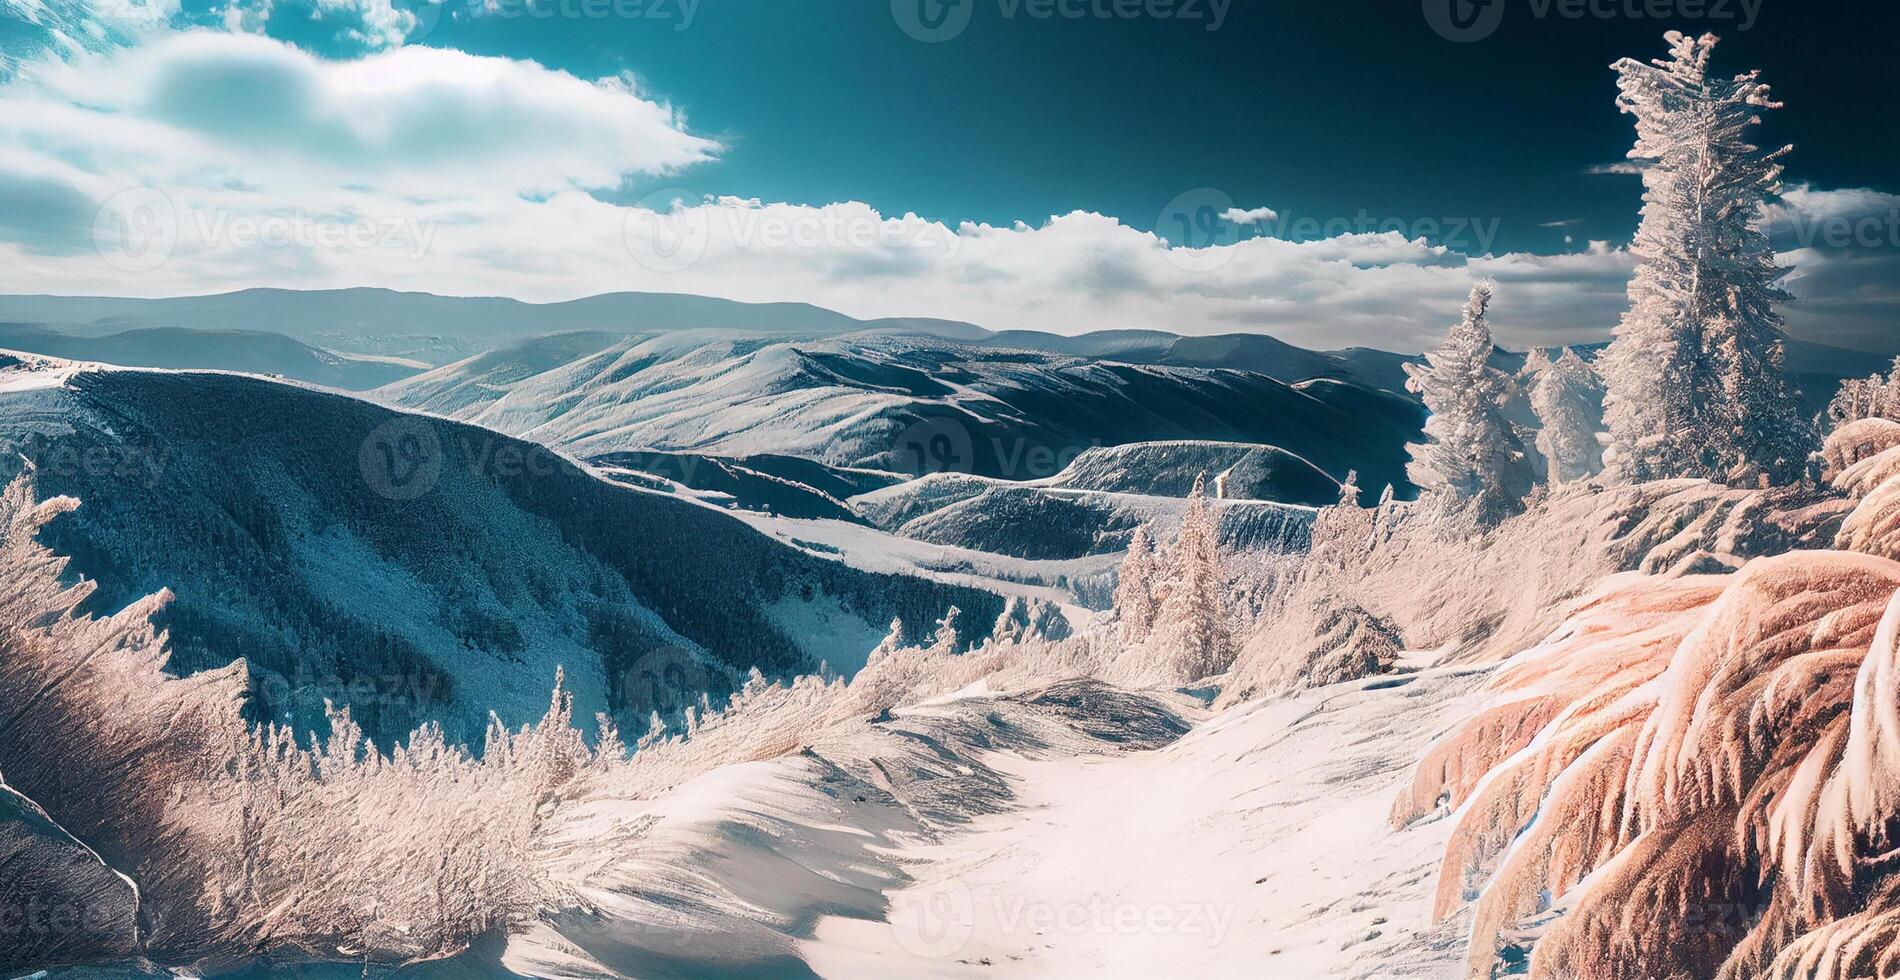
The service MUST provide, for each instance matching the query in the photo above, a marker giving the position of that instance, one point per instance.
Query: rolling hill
(416, 568)
(904, 404)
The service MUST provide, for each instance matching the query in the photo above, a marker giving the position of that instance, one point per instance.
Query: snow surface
(1257, 840)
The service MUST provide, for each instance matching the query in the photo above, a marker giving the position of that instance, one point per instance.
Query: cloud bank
(197, 161)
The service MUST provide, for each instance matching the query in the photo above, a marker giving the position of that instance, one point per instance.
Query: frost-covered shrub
(1874, 397)
(1481, 597)
(1693, 775)
(1679, 748)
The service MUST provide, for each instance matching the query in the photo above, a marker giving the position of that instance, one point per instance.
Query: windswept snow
(1067, 831)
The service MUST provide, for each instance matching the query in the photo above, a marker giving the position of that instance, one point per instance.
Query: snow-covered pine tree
(1135, 588)
(1472, 459)
(945, 641)
(1876, 396)
(893, 641)
(1192, 635)
(1349, 490)
(1536, 362)
(1695, 373)
(1568, 399)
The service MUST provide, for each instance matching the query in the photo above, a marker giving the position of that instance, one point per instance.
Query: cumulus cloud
(421, 120)
(198, 161)
(1625, 167)
(1249, 216)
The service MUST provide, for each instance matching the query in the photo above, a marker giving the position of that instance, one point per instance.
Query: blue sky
(1015, 174)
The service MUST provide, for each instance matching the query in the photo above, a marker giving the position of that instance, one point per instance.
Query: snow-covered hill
(417, 568)
(250, 351)
(1047, 521)
(1096, 502)
(902, 403)
(1235, 471)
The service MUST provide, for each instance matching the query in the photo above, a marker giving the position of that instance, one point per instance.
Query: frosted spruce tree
(1568, 400)
(1472, 461)
(1349, 490)
(1191, 632)
(1694, 377)
(1135, 588)
(944, 642)
(893, 641)
(1876, 396)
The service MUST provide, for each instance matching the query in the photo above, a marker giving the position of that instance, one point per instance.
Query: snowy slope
(1235, 471)
(1046, 519)
(62, 903)
(1071, 830)
(729, 482)
(1036, 522)
(903, 403)
(267, 509)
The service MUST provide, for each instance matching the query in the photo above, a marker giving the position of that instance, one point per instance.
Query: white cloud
(436, 170)
(1625, 167)
(419, 120)
(372, 23)
(1250, 216)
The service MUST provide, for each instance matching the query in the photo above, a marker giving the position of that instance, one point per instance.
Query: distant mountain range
(909, 404)
(643, 373)
(440, 329)
(250, 351)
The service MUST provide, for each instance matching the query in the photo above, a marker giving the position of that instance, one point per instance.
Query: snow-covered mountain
(417, 568)
(901, 403)
(1097, 501)
(250, 351)
(378, 321)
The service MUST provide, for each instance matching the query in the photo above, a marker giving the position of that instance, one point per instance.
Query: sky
(1333, 173)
